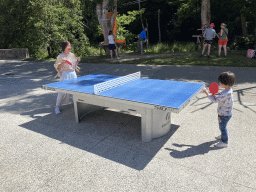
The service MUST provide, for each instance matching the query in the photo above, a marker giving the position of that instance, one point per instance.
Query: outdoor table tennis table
(154, 99)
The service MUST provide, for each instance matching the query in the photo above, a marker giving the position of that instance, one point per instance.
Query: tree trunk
(255, 35)
(147, 29)
(244, 30)
(106, 24)
(205, 13)
(159, 26)
(141, 16)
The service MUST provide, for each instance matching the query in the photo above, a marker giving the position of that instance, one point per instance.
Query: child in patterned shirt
(225, 105)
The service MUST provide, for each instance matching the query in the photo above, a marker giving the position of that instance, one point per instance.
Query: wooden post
(100, 48)
(141, 47)
(255, 33)
(147, 45)
(159, 25)
(147, 28)
(147, 34)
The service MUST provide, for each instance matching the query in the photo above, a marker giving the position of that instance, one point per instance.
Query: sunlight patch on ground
(36, 79)
(41, 114)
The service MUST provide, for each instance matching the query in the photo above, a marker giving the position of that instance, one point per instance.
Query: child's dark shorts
(208, 42)
(111, 46)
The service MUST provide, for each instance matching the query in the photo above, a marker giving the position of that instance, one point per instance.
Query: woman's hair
(227, 78)
(223, 24)
(64, 45)
(110, 32)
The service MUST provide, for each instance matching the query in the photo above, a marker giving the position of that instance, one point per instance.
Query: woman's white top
(66, 67)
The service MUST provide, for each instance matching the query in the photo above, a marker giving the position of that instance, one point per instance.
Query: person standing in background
(112, 45)
(209, 34)
(142, 37)
(223, 39)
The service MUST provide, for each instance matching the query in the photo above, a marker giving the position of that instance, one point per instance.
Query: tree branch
(85, 26)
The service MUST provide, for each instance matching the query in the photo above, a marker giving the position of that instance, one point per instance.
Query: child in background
(112, 45)
(225, 105)
(203, 30)
(66, 70)
(209, 34)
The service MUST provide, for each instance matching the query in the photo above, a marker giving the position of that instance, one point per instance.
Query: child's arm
(78, 59)
(214, 99)
(59, 63)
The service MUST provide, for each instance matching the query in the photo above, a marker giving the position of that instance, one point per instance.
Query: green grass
(234, 59)
(164, 48)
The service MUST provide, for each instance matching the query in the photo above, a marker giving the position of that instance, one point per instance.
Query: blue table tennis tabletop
(173, 94)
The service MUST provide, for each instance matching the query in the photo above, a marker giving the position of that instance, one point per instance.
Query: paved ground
(40, 151)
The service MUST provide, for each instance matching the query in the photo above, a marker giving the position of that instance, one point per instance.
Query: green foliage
(45, 24)
(162, 48)
(13, 22)
(131, 47)
(243, 43)
(90, 21)
(123, 21)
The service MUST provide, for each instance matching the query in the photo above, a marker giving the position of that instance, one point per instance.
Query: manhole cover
(9, 74)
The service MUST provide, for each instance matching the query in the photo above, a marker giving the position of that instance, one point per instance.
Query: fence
(21, 53)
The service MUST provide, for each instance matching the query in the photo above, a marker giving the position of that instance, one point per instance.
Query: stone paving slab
(41, 151)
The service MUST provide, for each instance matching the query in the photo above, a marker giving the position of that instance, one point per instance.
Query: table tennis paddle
(68, 62)
(213, 88)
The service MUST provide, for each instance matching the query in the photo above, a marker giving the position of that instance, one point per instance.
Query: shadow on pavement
(112, 135)
(192, 150)
(246, 95)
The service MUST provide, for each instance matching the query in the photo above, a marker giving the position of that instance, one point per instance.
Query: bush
(243, 43)
(162, 48)
(41, 54)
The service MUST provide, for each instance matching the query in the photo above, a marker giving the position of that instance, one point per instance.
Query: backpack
(250, 53)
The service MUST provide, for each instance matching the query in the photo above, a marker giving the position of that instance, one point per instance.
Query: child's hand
(60, 65)
(78, 59)
(204, 89)
(77, 69)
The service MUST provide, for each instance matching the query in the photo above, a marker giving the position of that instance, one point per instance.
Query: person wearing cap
(223, 39)
(209, 34)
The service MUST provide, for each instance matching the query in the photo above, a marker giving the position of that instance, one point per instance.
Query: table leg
(81, 108)
(146, 125)
(154, 124)
(161, 123)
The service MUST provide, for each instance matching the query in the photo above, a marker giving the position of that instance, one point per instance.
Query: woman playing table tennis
(66, 65)
(225, 105)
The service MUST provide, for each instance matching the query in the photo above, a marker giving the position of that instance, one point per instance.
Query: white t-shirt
(225, 102)
(111, 39)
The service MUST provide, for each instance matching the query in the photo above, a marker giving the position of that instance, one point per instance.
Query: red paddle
(213, 88)
(68, 62)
